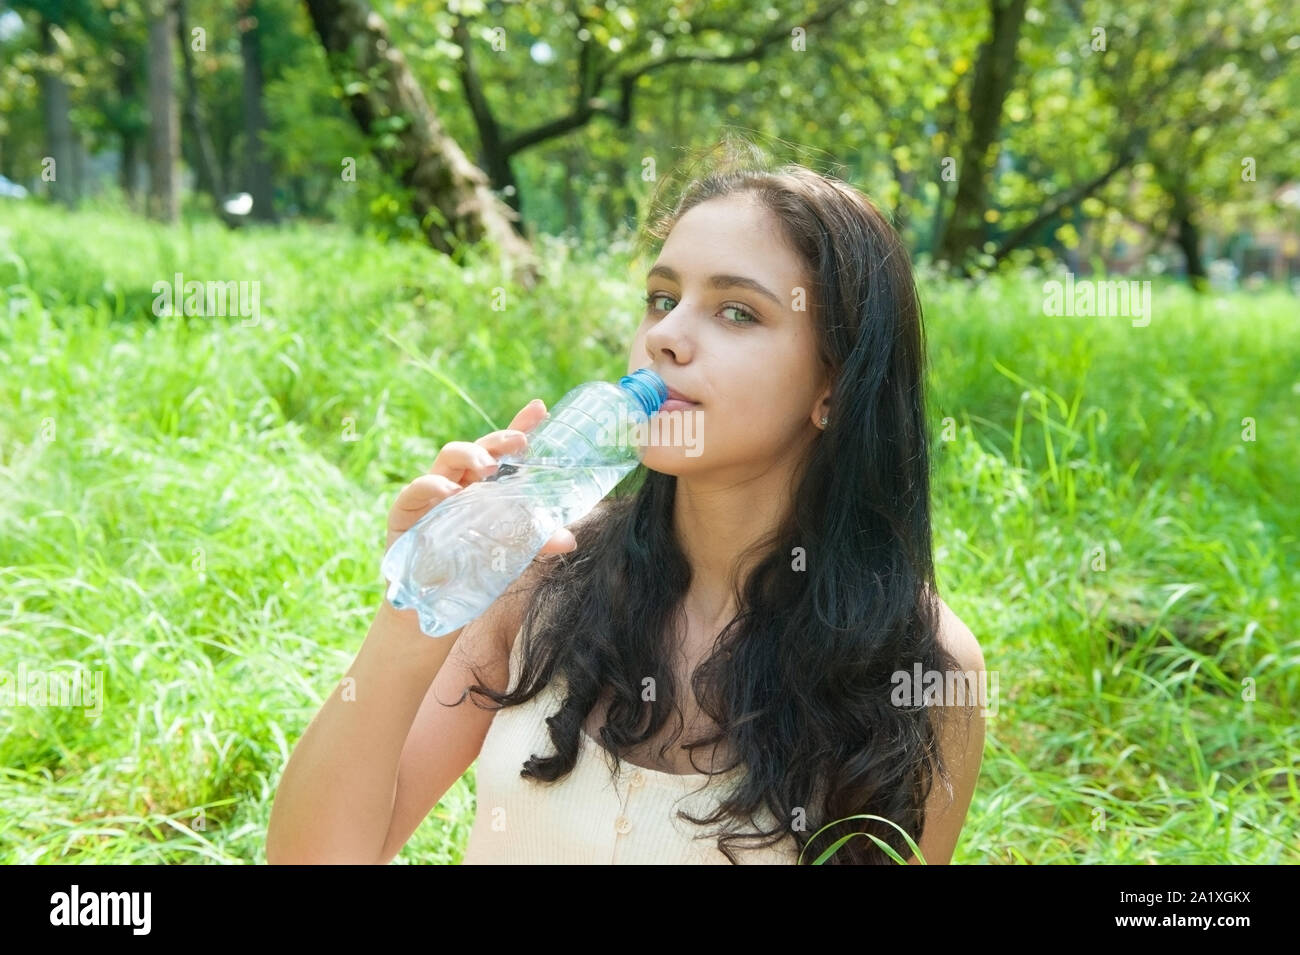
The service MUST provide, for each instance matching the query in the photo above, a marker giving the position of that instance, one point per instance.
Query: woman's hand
(461, 463)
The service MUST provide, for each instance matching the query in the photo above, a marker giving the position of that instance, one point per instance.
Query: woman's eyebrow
(718, 281)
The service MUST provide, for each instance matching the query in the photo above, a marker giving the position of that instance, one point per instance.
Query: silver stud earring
(823, 421)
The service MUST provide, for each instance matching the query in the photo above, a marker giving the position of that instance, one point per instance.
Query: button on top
(622, 825)
(637, 778)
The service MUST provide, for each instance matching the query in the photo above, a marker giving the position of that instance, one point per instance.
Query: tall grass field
(193, 509)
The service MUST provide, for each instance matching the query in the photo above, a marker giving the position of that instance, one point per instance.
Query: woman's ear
(822, 411)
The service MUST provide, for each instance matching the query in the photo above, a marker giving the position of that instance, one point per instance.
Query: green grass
(196, 507)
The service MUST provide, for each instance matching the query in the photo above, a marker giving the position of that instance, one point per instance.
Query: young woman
(712, 675)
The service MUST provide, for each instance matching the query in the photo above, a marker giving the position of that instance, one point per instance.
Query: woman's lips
(677, 404)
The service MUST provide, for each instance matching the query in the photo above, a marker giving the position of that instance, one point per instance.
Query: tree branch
(1071, 197)
(489, 131)
(591, 105)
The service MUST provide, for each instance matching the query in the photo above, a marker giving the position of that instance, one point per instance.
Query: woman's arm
(335, 799)
(962, 745)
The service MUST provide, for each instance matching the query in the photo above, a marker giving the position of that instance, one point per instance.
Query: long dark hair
(841, 595)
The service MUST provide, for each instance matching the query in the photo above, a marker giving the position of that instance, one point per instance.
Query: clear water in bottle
(463, 554)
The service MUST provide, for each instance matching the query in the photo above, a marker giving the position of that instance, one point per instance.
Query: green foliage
(1180, 95)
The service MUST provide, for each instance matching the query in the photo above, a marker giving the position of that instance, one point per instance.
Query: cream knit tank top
(591, 816)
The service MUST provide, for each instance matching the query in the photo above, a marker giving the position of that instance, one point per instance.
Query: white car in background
(11, 190)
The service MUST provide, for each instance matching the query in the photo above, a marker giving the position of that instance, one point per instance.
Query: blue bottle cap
(647, 388)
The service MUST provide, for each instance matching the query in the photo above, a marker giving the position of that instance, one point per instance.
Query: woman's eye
(747, 317)
(653, 297)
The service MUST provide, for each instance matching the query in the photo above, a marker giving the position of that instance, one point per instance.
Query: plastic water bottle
(463, 554)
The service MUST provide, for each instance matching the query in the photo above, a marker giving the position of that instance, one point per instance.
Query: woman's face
(729, 325)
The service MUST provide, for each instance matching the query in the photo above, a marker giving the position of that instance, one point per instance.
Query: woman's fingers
(561, 542)
(529, 416)
(501, 443)
(424, 491)
(467, 461)
(415, 500)
(461, 463)
(464, 462)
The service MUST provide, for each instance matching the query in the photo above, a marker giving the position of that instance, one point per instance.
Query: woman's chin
(673, 439)
(670, 459)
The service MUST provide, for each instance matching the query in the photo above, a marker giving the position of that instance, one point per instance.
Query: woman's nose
(671, 335)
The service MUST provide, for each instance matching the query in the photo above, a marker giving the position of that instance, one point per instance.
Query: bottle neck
(646, 388)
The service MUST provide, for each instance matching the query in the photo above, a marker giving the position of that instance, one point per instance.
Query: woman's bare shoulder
(954, 636)
(958, 639)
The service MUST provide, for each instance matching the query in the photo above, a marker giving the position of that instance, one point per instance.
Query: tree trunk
(298, 189)
(1188, 238)
(995, 69)
(127, 132)
(1182, 214)
(257, 167)
(58, 127)
(164, 141)
(206, 169)
(905, 181)
(572, 209)
(226, 156)
(609, 201)
(492, 157)
(450, 196)
(936, 226)
(130, 160)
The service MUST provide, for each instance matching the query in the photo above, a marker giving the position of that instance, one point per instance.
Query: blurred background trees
(1117, 136)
